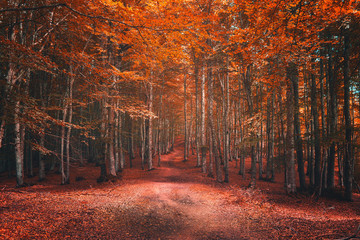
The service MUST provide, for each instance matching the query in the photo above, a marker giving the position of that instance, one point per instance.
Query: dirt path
(174, 201)
(171, 205)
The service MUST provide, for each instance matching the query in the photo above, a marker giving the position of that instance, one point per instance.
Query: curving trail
(171, 204)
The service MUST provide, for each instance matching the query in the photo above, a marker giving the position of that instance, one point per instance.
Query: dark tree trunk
(332, 119)
(316, 142)
(294, 77)
(212, 128)
(291, 115)
(348, 142)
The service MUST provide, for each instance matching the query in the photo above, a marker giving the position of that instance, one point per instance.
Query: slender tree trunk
(348, 176)
(323, 126)
(225, 124)
(236, 133)
(197, 131)
(191, 127)
(116, 138)
(159, 125)
(332, 119)
(41, 159)
(18, 151)
(121, 153)
(317, 147)
(247, 87)
(212, 127)
(211, 157)
(68, 135)
(242, 148)
(291, 178)
(111, 127)
(272, 151)
(203, 129)
(260, 149)
(143, 143)
(62, 170)
(270, 137)
(185, 118)
(130, 141)
(159, 142)
(218, 133)
(150, 134)
(294, 77)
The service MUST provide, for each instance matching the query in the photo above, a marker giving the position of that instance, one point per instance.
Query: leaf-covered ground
(173, 201)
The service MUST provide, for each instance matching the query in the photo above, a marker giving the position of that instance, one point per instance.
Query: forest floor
(174, 201)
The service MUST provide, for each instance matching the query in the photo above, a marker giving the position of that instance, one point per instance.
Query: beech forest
(182, 119)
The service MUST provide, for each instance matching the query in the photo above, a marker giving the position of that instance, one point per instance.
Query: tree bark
(150, 133)
(212, 134)
(19, 155)
(293, 74)
(247, 87)
(68, 134)
(225, 124)
(62, 170)
(203, 127)
(317, 147)
(270, 138)
(112, 167)
(197, 131)
(290, 176)
(332, 121)
(121, 153)
(143, 142)
(348, 176)
(185, 119)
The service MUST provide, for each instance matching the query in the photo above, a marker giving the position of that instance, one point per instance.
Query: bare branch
(87, 15)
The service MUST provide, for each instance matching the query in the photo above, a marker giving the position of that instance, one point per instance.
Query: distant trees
(70, 74)
(301, 50)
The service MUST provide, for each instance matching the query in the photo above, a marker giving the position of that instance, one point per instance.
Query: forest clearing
(170, 202)
(179, 119)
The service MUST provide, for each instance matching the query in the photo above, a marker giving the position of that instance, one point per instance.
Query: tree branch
(85, 15)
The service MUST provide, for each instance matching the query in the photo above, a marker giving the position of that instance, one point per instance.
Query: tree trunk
(242, 147)
(68, 135)
(323, 126)
(293, 74)
(143, 143)
(19, 155)
(212, 133)
(197, 131)
(348, 165)
(121, 153)
(270, 138)
(150, 133)
(247, 87)
(225, 124)
(317, 147)
(185, 119)
(332, 121)
(260, 144)
(116, 139)
(41, 159)
(111, 127)
(291, 178)
(62, 146)
(203, 129)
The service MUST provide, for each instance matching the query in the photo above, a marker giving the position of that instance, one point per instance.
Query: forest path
(174, 201)
(171, 203)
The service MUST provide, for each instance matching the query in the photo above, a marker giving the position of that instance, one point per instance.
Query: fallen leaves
(173, 202)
